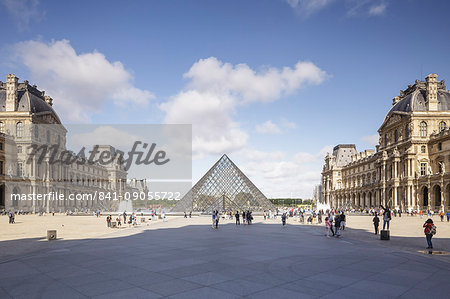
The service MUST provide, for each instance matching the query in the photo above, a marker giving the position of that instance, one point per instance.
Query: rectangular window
(2, 171)
(19, 169)
(423, 169)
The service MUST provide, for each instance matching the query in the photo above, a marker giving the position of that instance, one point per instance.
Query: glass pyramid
(224, 187)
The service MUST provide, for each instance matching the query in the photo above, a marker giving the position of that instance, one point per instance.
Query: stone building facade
(27, 119)
(408, 169)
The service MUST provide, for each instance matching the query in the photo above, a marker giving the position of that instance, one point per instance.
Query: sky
(274, 84)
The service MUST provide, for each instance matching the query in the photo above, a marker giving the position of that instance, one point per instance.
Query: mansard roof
(414, 99)
(29, 99)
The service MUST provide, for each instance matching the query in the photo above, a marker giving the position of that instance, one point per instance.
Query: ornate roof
(414, 98)
(29, 99)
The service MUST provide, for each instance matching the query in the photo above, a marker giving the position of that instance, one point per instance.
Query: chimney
(48, 100)
(11, 92)
(432, 83)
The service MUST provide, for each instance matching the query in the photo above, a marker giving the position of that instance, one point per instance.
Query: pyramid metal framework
(224, 187)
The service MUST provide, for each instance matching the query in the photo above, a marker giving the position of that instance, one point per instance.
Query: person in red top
(429, 231)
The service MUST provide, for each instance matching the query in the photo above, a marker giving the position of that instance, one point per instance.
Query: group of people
(247, 217)
(122, 218)
(338, 221)
(429, 227)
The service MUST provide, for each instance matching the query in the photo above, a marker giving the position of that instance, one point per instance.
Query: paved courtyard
(186, 258)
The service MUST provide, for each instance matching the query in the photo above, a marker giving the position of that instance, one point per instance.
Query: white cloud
(240, 81)
(278, 176)
(377, 10)
(258, 156)
(80, 83)
(308, 7)
(268, 127)
(104, 135)
(23, 12)
(371, 139)
(216, 89)
(214, 131)
(366, 7)
(288, 124)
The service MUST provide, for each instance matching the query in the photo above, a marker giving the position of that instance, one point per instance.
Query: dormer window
(442, 126)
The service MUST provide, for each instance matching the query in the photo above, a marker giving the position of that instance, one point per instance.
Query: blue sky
(272, 83)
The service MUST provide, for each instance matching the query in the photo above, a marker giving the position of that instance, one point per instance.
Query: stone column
(394, 197)
(429, 197)
(408, 196)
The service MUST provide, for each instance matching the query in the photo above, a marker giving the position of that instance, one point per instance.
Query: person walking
(337, 225)
(217, 219)
(343, 223)
(213, 218)
(237, 215)
(448, 215)
(328, 226)
(243, 217)
(430, 231)
(376, 222)
(108, 221)
(330, 218)
(441, 214)
(283, 219)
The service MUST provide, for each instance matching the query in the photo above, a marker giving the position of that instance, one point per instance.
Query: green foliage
(288, 202)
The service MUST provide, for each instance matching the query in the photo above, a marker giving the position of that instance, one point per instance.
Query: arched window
(423, 129)
(407, 131)
(19, 129)
(396, 135)
(442, 126)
